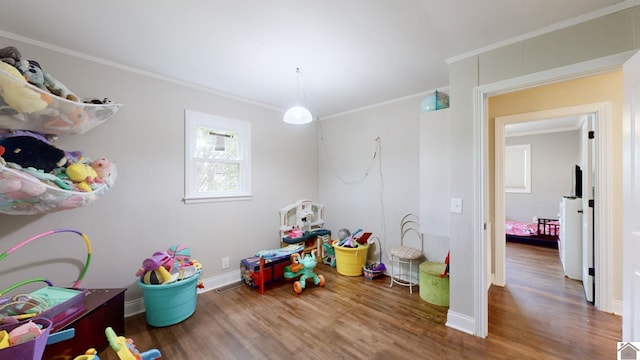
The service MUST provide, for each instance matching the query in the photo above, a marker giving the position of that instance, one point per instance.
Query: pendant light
(298, 114)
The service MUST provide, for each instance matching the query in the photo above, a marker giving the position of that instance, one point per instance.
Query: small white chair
(405, 254)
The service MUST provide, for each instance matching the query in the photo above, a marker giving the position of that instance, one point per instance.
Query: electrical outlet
(225, 262)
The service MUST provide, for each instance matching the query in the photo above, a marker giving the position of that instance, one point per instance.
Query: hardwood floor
(540, 314)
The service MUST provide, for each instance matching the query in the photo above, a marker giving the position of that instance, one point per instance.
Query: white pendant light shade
(297, 115)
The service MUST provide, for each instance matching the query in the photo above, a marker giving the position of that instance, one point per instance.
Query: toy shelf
(27, 107)
(23, 194)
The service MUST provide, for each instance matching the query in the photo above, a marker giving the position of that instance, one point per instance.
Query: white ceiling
(352, 53)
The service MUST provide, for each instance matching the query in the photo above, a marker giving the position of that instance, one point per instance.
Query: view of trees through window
(217, 160)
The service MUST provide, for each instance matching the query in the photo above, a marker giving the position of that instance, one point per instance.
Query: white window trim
(193, 120)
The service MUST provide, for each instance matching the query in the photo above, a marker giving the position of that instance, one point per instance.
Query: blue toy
(303, 267)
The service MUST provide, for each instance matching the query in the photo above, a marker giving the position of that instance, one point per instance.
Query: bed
(544, 232)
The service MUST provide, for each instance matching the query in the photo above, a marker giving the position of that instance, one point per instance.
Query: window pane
(212, 176)
(216, 144)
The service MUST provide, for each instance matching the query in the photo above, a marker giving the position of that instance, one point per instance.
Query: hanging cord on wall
(382, 215)
(333, 169)
(377, 154)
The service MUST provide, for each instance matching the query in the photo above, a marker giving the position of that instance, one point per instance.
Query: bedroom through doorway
(576, 122)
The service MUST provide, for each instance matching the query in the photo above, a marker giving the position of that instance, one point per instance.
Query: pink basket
(30, 350)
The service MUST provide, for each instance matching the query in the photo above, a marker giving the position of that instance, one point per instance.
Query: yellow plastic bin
(350, 261)
(433, 288)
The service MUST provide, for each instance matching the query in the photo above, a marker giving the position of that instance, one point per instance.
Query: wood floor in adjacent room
(540, 314)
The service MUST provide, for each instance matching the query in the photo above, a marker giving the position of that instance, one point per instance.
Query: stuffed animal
(16, 94)
(32, 71)
(83, 175)
(58, 88)
(67, 121)
(10, 55)
(28, 151)
(105, 169)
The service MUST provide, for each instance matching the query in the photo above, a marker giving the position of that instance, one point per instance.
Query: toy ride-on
(303, 267)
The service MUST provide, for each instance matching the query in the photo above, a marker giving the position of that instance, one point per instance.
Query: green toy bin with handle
(169, 304)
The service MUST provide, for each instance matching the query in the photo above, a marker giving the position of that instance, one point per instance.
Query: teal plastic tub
(169, 304)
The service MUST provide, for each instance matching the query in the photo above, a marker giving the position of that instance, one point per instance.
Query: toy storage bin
(433, 288)
(30, 350)
(350, 261)
(169, 304)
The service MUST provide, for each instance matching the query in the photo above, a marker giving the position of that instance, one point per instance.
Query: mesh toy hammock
(76, 284)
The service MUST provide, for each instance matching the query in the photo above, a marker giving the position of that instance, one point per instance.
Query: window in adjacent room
(517, 168)
(217, 158)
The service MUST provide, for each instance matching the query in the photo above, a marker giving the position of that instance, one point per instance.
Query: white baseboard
(461, 322)
(616, 307)
(136, 306)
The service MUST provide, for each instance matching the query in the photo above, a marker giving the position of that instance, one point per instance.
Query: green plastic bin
(433, 288)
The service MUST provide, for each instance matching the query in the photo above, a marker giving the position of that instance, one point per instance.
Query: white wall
(143, 212)
(552, 159)
(390, 190)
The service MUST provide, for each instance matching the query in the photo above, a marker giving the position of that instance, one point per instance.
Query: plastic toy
(91, 354)
(76, 284)
(125, 348)
(155, 270)
(303, 267)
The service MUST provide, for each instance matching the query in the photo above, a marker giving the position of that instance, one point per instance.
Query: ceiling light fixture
(298, 114)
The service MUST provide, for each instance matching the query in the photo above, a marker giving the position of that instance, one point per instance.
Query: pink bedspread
(519, 228)
(528, 229)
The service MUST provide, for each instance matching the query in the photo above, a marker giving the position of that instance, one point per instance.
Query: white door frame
(602, 198)
(480, 95)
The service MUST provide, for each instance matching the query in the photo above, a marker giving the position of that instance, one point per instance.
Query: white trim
(132, 69)
(557, 26)
(480, 119)
(460, 322)
(372, 106)
(480, 283)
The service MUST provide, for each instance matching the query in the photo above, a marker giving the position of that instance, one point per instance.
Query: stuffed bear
(28, 151)
(10, 55)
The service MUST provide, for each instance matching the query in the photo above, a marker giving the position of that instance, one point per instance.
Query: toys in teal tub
(303, 267)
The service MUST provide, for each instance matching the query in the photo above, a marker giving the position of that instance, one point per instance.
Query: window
(217, 158)
(517, 168)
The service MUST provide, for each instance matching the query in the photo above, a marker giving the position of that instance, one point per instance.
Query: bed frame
(548, 232)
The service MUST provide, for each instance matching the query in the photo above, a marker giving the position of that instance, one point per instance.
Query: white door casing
(480, 95)
(631, 201)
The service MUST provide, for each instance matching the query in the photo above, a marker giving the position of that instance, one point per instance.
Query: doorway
(602, 244)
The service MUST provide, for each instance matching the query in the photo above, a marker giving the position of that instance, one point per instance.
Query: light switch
(456, 206)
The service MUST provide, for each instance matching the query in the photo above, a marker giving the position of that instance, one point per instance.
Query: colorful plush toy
(32, 71)
(106, 170)
(28, 151)
(83, 175)
(16, 94)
